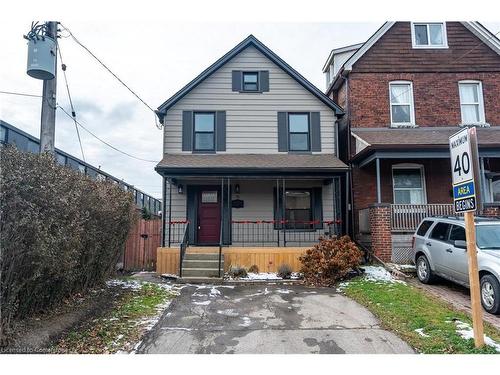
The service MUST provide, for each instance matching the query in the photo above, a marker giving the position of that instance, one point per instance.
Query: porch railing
(183, 247)
(406, 217)
(281, 232)
(177, 231)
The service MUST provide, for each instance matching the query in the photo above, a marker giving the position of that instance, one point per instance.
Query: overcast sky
(156, 59)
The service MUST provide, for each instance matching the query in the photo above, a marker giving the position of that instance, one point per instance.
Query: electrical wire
(103, 141)
(20, 94)
(73, 112)
(158, 125)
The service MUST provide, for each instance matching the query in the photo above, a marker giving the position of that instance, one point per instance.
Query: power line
(73, 113)
(112, 73)
(20, 94)
(103, 141)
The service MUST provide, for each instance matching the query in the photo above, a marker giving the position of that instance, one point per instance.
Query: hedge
(61, 233)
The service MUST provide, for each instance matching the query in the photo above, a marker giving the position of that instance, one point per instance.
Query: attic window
(429, 35)
(250, 81)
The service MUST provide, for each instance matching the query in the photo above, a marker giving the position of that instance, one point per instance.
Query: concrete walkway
(270, 318)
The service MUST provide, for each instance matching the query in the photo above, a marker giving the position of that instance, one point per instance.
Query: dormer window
(250, 81)
(429, 35)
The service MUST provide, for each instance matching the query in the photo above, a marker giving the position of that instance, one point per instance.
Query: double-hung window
(204, 131)
(471, 102)
(298, 209)
(408, 185)
(401, 102)
(298, 132)
(250, 81)
(429, 35)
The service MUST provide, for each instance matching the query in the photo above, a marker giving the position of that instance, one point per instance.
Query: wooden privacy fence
(140, 250)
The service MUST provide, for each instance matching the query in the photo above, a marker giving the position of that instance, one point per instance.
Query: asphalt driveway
(270, 318)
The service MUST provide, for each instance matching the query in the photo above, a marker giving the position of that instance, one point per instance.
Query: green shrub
(60, 233)
(330, 260)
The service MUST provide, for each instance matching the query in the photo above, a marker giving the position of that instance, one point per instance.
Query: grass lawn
(123, 325)
(403, 308)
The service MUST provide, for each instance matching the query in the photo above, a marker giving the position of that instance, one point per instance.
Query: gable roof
(475, 27)
(247, 42)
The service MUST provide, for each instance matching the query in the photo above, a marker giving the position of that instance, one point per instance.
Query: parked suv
(440, 249)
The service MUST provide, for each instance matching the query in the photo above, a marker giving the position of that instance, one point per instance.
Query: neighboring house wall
(251, 118)
(436, 97)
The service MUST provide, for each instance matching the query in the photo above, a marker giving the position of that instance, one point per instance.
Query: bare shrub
(60, 233)
(330, 260)
(237, 271)
(254, 269)
(285, 271)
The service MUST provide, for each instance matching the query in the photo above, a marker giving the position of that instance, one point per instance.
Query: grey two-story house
(250, 161)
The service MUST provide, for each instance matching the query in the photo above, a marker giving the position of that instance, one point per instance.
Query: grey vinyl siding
(251, 118)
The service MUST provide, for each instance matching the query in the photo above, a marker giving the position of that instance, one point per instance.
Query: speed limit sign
(462, 169)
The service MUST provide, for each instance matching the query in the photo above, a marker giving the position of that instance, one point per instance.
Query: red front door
(208, 216)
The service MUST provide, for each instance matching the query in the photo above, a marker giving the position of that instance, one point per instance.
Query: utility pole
(48, 120)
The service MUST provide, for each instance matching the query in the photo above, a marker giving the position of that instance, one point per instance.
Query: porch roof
(249, 163)
(415, 142)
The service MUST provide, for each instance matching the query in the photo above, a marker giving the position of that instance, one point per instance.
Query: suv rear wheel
(424, 272)
(490, 294)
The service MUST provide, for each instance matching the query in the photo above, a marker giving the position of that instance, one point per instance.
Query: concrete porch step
(202, 256)
(202, 263)
(200, 272)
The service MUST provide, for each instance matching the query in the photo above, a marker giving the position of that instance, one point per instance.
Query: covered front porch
(409, 172)
(263, 216)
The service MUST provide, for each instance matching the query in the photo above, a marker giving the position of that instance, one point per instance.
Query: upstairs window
(471, 102)
(204, 131)
(401, 102)
(298, 131)
(250, 81)
(429, 35)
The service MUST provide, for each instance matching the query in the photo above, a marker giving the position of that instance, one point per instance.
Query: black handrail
(220, 250)
(183, 247)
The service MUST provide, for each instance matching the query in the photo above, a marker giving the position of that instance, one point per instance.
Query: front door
(208, 230)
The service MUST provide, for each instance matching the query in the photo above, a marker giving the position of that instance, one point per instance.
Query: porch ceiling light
(180, 189)
(237, 188)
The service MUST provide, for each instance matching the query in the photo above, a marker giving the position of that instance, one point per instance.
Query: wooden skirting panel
(268, 259)
(167, 260)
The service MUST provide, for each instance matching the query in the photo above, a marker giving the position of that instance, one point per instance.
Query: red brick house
(405, 91)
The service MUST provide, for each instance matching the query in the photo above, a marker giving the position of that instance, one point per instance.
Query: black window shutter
(236, 80)
(221, 130)
(264, 80)
(278, 207)
(317, 202)
(282, 131)
(187, 130)
(315, 132)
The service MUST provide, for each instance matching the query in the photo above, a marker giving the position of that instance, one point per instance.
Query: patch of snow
(259, 293)
(267, 276)
(214, 292)
(465, 331)
(283, 291)
(125, 284)
(378, 273)
(203, 303)
(246, 322)
(420, 331)
(228, 312)
(169, 276)
(212, 286)
(176, 329)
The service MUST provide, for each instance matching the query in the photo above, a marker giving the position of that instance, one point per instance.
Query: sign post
(464, 169)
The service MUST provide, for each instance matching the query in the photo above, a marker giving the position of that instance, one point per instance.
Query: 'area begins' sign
(462, 170)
